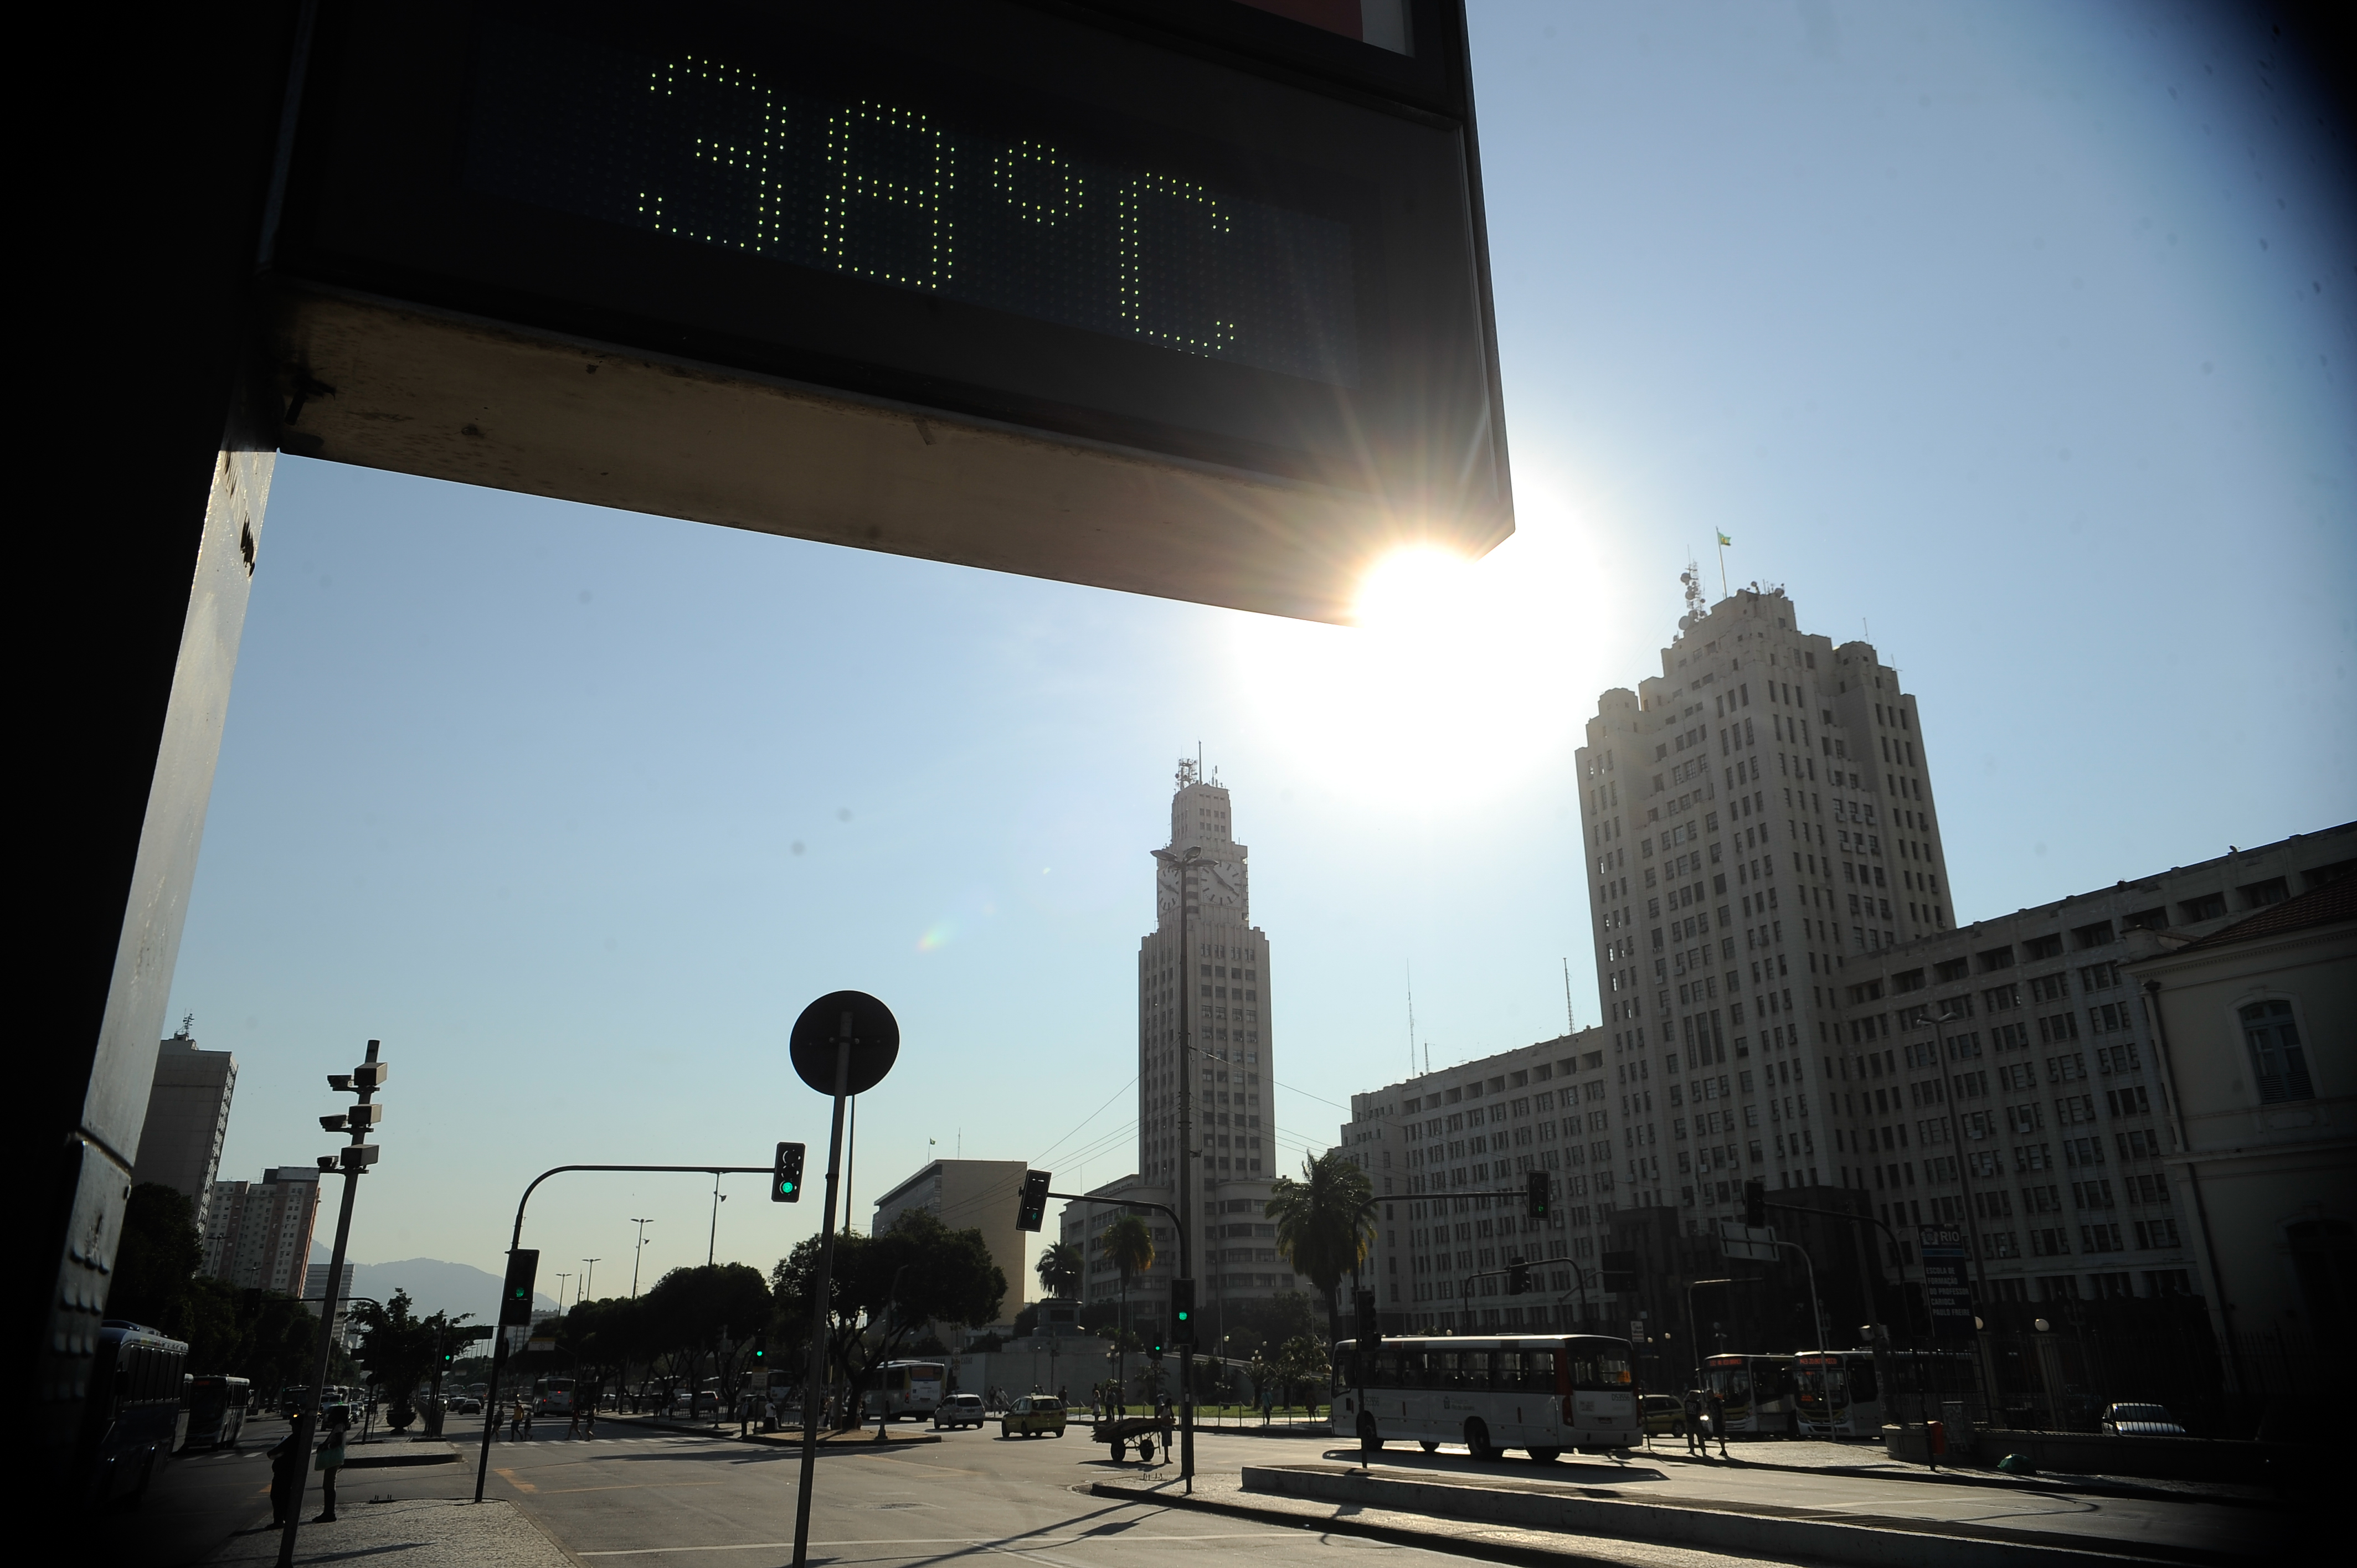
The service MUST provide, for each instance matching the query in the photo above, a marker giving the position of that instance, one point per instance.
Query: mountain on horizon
(434, 1286)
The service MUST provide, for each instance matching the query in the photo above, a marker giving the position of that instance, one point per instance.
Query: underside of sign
(1189, 300)
(387, 386)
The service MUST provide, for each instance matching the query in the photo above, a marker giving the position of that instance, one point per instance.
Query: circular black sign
(819, 1033)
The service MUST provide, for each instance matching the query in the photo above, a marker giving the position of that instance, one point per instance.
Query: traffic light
(1182, 1313)
(1540, 1194)
(1518, 1277)
(1154, 1345)
(1368, 1331)
(1755, 1203)
(1032, 1208)
(1617, 1272)
(786, 1182)
(515, 1291)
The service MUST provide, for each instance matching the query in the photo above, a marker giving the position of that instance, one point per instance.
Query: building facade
(2255, 1027)
(1449, 1154)
(1758, 817)
(261, 1233)
(2007, 1077)
(970, 1194)
(187, 1119)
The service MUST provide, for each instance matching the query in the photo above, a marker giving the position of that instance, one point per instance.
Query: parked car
(1663, 1415)
(1033, 1415)
(958, 1410)
(2140, 1421)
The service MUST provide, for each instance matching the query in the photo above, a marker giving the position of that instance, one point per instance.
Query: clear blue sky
(2022, 334)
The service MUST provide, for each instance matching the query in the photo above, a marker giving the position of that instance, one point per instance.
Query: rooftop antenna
(1411, 1017)
(1695, 608)
(1571, 1025)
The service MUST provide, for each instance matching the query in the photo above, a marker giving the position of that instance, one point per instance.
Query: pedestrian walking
(1694, 1434)
(331, 1459)
(589, 1415)
(573, 1416)
(516, 1417)
(1718, 1420)
(286, 1480)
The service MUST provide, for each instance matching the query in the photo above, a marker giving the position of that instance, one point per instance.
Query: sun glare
(1470, 674)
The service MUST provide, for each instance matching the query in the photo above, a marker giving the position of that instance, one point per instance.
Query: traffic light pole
(1186, 1352)
(515, 1240)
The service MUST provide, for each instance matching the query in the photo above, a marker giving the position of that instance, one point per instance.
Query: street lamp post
(589, 1272)
(642, 1225)
(1184, 865)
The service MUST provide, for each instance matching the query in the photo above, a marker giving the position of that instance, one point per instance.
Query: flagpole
(1722, 561)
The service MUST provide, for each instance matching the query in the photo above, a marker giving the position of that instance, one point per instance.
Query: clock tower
(1223, 978)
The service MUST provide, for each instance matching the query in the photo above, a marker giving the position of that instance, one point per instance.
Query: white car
(2140, 1421)
(958, 1410)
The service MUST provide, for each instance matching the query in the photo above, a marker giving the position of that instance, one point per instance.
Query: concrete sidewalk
(425, 1532)
(1828, 1458)
(1548, 1525)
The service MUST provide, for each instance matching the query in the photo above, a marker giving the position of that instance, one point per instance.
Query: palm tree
(1325, 1224)
(1059, 1270)
(1128, 1243)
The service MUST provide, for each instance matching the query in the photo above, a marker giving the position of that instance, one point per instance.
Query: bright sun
(1466, 674)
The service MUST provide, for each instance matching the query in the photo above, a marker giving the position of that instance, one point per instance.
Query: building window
(2277, 1061)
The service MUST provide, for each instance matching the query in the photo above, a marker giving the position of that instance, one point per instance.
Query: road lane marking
(509, 1477)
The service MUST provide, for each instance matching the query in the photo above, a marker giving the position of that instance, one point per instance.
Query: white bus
(1543, 1393)
(912, 1389)
(552, 1396)
(1837, 1395)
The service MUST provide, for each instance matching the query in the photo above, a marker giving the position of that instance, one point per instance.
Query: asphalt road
(634, 1497)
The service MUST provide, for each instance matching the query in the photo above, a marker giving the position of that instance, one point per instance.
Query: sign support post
(843, 1045)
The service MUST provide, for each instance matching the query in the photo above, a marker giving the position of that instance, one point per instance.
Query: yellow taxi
(1034, 1415)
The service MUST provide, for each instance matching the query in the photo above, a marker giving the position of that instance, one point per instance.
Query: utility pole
(589, 1268)
(354, 1158)
(713, 1241)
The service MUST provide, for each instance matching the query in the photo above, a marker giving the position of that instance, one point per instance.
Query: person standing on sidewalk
(331, 1459)
(1692, 1424)
(1718, 1420)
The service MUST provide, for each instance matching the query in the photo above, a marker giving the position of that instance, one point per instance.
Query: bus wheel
(1427, 1446)
(1545, 1456)
(1476, 1440)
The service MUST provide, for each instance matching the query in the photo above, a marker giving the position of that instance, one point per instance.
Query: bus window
(1526, 1371)
(1597, 1366)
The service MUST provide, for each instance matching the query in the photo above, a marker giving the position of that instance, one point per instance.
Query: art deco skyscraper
(1224, 976)
(1757, 817)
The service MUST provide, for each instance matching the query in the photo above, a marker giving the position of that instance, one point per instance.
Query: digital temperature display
(1011, 204)
(1185, 297)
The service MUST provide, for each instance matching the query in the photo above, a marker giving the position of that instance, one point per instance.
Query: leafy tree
(886, 1289)
(1325, 1223)
(1059, 1270)
(1304, 1367)
(156, 1259)
(1128, 1244)
(692, 1311)
(398, 1348)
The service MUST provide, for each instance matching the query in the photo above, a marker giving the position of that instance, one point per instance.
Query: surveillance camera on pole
(353, 1160)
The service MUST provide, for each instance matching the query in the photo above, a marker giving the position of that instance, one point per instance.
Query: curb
(2101, 1486)
(1861, 1540)
(446, 1454)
